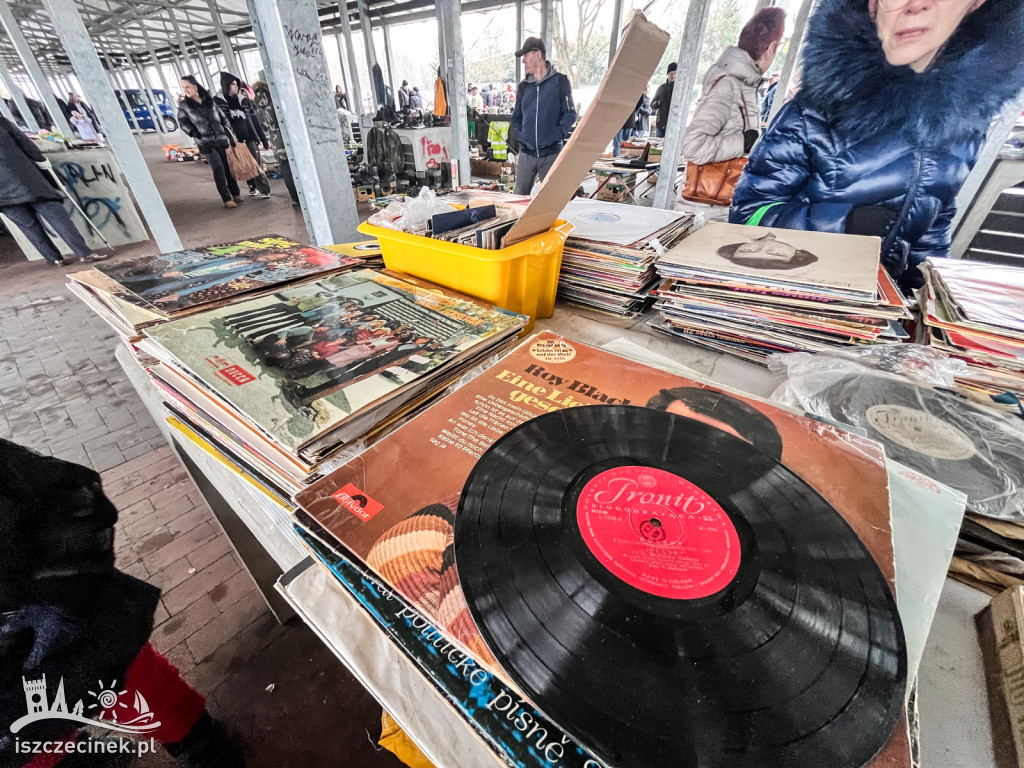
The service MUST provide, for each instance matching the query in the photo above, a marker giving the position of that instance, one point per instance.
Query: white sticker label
(921, 432)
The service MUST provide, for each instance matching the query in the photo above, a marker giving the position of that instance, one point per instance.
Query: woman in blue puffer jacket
(897, 96)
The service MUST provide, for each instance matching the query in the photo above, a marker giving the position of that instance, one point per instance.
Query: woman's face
(770, 250)
(188, 89)
(233, 89)
(913, 31)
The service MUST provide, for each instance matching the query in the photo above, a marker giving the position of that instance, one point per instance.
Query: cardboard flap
(635, 61)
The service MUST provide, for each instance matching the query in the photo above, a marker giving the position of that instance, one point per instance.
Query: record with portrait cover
(670, 595)
(972, 449)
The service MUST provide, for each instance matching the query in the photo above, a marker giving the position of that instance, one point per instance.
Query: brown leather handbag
(714, 183)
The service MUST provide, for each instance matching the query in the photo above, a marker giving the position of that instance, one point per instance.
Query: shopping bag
(713, 183)
(241, 162)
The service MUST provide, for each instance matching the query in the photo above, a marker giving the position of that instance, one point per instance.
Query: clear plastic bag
(411, 215)
(887, 393)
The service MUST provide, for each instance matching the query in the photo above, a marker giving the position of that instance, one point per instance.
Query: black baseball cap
(532, 44)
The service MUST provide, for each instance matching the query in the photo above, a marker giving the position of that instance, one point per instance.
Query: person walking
(28, 197)
(201, 118)
(415, 98)
(896, 100)
(247, 128)
(543, 116)
(266, 114)
(727, 120)
(662, 101)
(404, 94)
(643, 114)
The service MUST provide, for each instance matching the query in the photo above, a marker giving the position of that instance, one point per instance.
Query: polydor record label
(658, 532)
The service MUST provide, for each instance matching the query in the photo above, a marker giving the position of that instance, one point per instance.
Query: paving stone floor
(63, 393)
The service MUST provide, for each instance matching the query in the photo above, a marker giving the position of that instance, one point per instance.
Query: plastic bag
(411, 215)
(975, 450)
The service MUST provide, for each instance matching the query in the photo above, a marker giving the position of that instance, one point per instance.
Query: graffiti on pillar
(102, 211)
(306, 51)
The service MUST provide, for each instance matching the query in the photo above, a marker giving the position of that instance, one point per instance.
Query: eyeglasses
(899, 5)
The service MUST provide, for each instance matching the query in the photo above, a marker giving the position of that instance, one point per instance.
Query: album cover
(298, 363)
(512, 728)
(181, 280)
(846, 263)
(616, 223)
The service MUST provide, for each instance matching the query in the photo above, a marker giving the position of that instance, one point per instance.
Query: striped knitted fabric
(417, 557)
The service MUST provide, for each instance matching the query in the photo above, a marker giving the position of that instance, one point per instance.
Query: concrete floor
(62, 393)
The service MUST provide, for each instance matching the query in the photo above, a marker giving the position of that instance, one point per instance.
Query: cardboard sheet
(634, 64)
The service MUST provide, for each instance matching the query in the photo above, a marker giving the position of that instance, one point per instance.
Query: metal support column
(395, 82)
(86, 63)
(789, 66)
(156, 63)
(19, 98)
(613, 40)
(371, 51)
(355, 96)
(686, 75)
(305, 107)
(225, 43)
(519, 41)
(448, 12)
(6, 111)
(547, 25)
(345, 84)
(146, 87)
(32, 68)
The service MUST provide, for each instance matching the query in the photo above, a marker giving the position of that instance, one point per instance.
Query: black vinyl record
(974, 450)
(671, 596)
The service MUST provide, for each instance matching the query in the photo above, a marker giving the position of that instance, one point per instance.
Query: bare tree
(581, 48)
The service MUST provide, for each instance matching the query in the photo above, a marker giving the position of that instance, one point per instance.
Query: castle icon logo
(107, 707)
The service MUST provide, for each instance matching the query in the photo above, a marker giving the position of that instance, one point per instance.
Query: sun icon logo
(107, 701)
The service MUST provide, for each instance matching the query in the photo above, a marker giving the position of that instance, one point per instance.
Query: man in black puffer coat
(896, 100)
(67, 613)
(241, 112)
(28, 197)
(201, 118)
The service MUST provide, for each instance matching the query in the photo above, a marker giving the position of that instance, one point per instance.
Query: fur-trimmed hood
(846, 76)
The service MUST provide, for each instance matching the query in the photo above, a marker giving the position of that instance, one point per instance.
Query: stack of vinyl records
(282, 383)
(609, 260)
(975, 312)
(133, 295)
(752, 291)
(707, 580)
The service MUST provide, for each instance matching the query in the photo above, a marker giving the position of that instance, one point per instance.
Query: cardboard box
(489, 168)
(1000, 627)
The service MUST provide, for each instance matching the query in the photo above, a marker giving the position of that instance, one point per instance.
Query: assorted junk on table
(132, 295)
(609, 260)
(536, 522)
(752, 291)
(975, 312)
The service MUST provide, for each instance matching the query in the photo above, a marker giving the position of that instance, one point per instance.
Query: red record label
(658, 532)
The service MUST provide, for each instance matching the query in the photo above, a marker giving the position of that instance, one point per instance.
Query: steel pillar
(291, 45)
(686, 76)
(86, 63)
(32, 68)
(355, 96)
(395, 82)
(368, 46)
(448, 17)
(19, 98)
(613, 40)
(789, 66)
(519, 40)
(156, 63)
(6, 111)
(547, 25)
(233, 64)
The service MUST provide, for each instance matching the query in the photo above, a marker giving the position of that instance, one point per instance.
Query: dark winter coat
(23, 181)
(861, 132)
(240, 111)
(204, 122)
(64, 610)
(415, 99)
(544, 113)
(643, 115)
(661, 103)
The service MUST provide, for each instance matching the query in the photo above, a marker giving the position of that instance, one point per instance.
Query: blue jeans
(30, 217)
(620, 137)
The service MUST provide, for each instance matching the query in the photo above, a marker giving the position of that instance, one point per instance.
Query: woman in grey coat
(726, 122)
(28, 197)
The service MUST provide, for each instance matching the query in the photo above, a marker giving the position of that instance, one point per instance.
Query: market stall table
(955, 730)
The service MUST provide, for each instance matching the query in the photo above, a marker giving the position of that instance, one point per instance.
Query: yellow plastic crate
(522, 278)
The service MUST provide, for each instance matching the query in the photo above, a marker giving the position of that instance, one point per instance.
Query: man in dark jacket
(872, 144)
(28, 197)
(201, 118)
(242, 116)
(543, 116)
(662, 102)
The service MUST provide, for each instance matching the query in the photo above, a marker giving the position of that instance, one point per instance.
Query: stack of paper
(609, 260)
(136, 294)
(751, 291)
(282, 383)
(975, 311)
